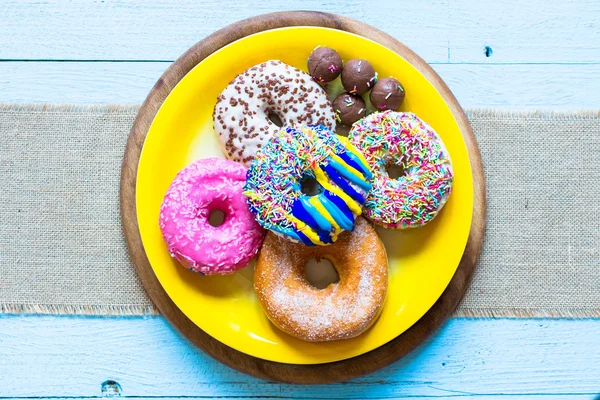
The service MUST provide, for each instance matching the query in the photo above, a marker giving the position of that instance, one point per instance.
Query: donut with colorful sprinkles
(294, 156)
(403, 139)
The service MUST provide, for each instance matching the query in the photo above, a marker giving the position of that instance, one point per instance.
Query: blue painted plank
(563, 31)
(142, 30)
(71, 356)
(455, 396)
(501, 86)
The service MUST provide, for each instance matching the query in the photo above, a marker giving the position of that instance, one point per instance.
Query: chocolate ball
(349, 108)
(358, 76)
(324, 64)
(387, 94)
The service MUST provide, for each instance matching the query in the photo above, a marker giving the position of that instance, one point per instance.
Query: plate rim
(296, 373)
(200, 321)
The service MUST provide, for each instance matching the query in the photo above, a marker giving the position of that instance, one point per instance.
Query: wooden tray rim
(269, 370)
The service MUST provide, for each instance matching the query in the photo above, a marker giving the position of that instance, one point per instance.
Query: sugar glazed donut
(241, 115)
(274, 184)
(340, 311)
(403, 139)
(203, 186)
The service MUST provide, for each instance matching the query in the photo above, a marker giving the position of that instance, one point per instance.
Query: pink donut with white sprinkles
(199, 189)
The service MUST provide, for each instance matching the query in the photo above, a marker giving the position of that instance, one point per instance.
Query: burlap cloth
(62, 250)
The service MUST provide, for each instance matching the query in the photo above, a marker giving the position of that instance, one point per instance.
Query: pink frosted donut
(202, 187)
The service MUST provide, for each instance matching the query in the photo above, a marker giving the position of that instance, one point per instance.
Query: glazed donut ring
(241, 115)
(340, 311)
(203, 186)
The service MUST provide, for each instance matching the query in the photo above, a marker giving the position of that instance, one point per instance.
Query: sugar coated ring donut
(203, 186)
(340, 311)
(273, 185)
(241, 115)
(405, 140)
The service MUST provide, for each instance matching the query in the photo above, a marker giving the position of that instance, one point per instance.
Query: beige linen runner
(62, 250)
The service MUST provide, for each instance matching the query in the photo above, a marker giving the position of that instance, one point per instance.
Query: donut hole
(395, 171)
(274, 118)
(216, 217)
(309, 186)
(321, 273)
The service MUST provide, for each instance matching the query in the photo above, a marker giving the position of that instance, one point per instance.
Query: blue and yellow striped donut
(274, 180)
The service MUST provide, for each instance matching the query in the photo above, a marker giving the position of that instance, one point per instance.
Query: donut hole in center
(274, 118)
(321, 273)
(395, 171)
(216, 217)
(309, 186)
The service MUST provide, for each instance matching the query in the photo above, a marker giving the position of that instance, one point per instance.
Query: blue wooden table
(492, 53)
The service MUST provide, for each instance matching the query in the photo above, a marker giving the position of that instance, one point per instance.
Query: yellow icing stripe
(324, 181)
(350, 147)
(305, 229)
(360, 156)
(344, 140)
(349, 168)
(323, 211)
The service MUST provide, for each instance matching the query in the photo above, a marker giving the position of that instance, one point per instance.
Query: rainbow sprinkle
(273, 184)
(403, 139)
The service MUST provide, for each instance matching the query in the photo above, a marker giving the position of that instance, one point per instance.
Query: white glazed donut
(241, 115)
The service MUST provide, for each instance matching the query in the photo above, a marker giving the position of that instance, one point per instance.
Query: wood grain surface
(71, 357)
(545, 55)
(440, 31)
(324, 373)
(514, 86)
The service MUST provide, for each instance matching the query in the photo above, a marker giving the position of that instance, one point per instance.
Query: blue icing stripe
(321, 221)
(355, 163)
(340, 204)
(288, 232)
(303, 238)
(300, 212)
(282, 231)
(325, 237)
(341, 182)
(292, 234)
(337, 215)
(366, 186)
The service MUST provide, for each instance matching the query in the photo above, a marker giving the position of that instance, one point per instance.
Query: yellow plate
(422, 261)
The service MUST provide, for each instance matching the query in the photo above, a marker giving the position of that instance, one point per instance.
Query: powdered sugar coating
(340, 311)
(405, 140)
(241, 114)
(204, 186)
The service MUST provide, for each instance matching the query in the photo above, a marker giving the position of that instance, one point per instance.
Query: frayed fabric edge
(472, 113)
(554, 115)
(570, 313)
(99, 310)
(150, 310)
(72, 108)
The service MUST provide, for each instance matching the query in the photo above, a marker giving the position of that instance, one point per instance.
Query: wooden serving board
(301, 374)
